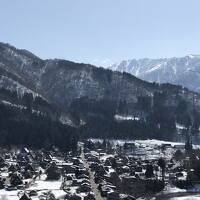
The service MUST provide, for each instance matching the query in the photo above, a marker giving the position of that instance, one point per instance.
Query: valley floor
(111, 170)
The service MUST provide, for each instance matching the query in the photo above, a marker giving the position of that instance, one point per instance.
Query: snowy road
(93, 184)
(179, 196)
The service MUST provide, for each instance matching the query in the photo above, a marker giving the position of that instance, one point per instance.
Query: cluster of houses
(45, 175)
(99, 171)
(122, 177)
(141, 169)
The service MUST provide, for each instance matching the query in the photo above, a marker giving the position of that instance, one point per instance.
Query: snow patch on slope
(126, 117)
(12, 85)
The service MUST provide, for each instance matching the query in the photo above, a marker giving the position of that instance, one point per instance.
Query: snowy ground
(39, 186)
(189, 197)
(145, 143)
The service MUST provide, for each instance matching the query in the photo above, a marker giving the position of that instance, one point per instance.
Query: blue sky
(102, 31)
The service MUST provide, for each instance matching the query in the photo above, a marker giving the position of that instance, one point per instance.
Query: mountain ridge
(181, 71)
(92, 96)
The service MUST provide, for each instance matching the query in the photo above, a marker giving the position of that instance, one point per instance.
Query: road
(179, 196)
(91, 176)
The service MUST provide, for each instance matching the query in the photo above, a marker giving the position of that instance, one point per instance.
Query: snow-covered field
(148, 142)
(40, 186)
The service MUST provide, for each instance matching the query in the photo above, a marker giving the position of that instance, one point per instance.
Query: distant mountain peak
(182, 71)
(193, 56)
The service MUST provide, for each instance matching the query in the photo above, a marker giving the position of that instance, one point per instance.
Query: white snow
(13, 105)
(156, 67)
(12, 85)
(180, 126)
(40, 186)
(126, 117)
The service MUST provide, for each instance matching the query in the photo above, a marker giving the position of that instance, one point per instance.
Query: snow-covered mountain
(181, 71)
(62, 82)
(98, 100)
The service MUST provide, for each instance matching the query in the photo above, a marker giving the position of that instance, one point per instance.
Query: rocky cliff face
(182, 71)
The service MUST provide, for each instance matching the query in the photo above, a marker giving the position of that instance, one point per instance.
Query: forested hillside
(91, 98)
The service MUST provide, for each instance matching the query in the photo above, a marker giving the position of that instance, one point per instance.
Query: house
(25, 197)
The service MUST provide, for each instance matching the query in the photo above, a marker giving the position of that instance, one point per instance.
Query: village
(101, 170)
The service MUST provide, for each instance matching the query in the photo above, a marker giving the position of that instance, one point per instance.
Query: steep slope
(30, 122)
(63, 81)
(181, 71)
(19, 70)
(94, 96)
